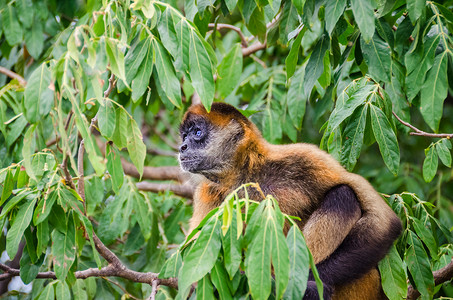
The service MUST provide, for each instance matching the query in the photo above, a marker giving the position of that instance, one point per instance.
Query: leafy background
(90, 100)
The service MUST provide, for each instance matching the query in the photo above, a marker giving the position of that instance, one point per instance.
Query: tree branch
(234, 28)
(108, 271)
(253, 48)
(182, 190)
(423, 133)
(440, 276)
(13, 75)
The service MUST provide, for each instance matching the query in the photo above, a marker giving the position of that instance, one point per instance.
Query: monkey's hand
(311, 293)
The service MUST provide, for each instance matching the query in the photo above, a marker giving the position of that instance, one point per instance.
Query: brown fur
(298, 176)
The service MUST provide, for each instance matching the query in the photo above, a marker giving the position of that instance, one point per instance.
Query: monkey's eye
(198, 133)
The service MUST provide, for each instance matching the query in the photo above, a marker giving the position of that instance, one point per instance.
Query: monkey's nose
(183, 148)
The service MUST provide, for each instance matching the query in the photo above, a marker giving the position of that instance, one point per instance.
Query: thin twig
(421, 132)
(13, 75)
(154, 287)
(234, 28)
(112, 84)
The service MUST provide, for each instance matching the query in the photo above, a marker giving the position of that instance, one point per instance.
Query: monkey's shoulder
(302, 160)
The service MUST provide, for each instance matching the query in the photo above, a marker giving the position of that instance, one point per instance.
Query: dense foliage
(91, 94)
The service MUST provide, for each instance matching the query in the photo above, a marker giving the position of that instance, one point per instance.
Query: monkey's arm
(361, 247)
(329, 225)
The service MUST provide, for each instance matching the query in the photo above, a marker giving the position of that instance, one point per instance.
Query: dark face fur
(206, 148)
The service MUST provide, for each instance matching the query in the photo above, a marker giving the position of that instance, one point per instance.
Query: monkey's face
(206, 148)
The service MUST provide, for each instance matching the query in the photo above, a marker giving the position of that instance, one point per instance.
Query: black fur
(359, 252)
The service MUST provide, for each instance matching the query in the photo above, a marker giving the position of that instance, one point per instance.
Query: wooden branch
(154, 173)
(182, 190)
(234, 28)
(13, 75)
(423, 133)
(112, 84)
(154, 287)
(108, 271)
(253, 48)
(440, 276)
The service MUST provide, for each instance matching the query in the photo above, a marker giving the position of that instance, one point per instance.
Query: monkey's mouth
(190, 164)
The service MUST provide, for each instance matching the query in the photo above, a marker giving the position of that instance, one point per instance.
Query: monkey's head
(211, 141)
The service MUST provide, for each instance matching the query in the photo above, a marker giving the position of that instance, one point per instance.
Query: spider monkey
(347, 225)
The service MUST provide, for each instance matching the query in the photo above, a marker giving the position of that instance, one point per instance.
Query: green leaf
(135, 57)
(62, 291)
(106, 119)
(351, 98)
(353, 141)
(11, 27)
(418, 62)
(419, 266)
(140, 81)
(8, 185)
(444, 152)
(377, 56)
(334, 9)
(42, 234)
(38, 96)
(14, 201)
(63, 250)
(200, 69)
(82, 126)
(258, 256)
(430, 164)
(116, 58)
(386, 139)
(28, 150)
(26, 13)
(34, 39)
(280, 254)
(202, 256)
(135, 146)
(167, 76)
(171, 266)
(229, 71)
(298, 262)
(44, 207)
(20, 223)
(293, 56)
(167, 31)
(121, 131)
(205, 289)
(415, 8)
(220, 280)
(79, 290)
(288, 21)
(144, 214)
(393, 275)
(315, 64)
(425, 233)
(114, 167)
(29, 270)
(232, 248)
(364, 16)
(231, 4)
(48, 293)
(297, 98)
(434, 92)
(256, 22)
